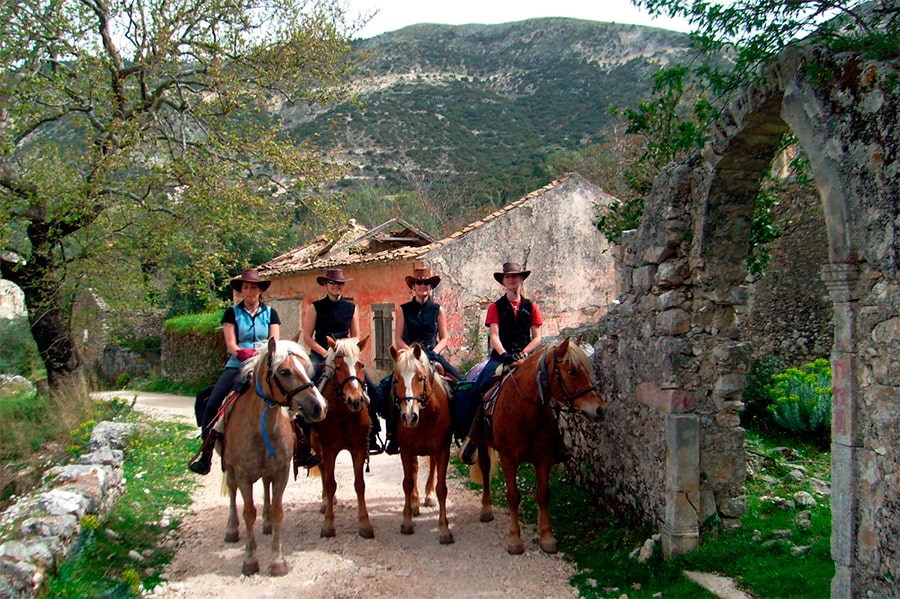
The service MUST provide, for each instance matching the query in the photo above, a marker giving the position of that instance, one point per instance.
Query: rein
(271, 402)
(424, 400)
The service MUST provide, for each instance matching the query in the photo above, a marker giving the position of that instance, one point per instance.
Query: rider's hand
(432, 355)
(245, 354)
(507, 358)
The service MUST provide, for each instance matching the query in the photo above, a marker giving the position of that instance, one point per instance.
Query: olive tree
(140, 132)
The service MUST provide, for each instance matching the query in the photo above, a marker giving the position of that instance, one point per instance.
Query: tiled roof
(354, 243)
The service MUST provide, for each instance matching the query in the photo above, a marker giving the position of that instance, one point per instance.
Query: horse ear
(579, 339)
(394, 353)
(563, 348)
(331, 342)
(417, 350)
(271, 346)
(362, 344)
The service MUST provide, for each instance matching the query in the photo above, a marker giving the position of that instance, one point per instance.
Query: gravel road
(348, 566)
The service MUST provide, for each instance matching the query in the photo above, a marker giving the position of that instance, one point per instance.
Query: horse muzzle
(311, 405)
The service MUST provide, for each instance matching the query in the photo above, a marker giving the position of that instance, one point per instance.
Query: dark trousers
(220, 391)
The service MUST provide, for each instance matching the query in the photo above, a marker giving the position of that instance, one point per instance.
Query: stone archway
(672, 363)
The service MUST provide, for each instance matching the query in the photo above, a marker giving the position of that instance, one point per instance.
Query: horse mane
(283, 349)
(406, 362)
(577, 355)
(348, 347)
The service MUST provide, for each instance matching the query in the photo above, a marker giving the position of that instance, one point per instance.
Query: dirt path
(348, 566)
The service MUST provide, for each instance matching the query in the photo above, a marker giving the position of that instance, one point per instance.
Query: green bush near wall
(193, 349)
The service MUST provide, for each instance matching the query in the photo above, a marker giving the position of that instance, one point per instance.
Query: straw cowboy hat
(511, 268)
(422, 275)
(333, 274)
(250, 275)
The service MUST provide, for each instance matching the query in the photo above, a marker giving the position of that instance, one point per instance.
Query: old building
(550, 231)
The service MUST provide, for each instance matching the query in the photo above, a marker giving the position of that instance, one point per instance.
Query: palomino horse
(524, 428)
(423, 398)
(347, 427)
(259, 441)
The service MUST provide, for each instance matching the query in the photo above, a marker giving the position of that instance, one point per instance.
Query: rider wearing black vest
(337, 317)
(515, 332)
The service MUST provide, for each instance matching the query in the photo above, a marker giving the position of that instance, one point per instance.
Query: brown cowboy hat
(250, 275)
(511, 268)
(333, 274)
(422, 275)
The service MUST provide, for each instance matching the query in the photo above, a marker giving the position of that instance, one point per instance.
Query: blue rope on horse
(262, 417)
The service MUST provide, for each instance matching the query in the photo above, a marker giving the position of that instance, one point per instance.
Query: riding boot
(468, 453)
(303, 454)
(392, 447)
(202, 462)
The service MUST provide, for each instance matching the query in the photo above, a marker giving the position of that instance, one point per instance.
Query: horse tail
(475, 473)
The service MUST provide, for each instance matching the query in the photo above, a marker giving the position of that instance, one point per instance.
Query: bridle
(423, 400)
(287, 396)
(340, 386)
(545, 384)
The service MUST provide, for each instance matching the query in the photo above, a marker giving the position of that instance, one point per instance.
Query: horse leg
(484, 463)
(429, 486)
(231, 529)
(542, 473)
(329, 487)
(359, 484)
(510, 467)
(266, 517)
(278, 567)
(414, 498)
(439, 462)
(251, 562)
(410, 473)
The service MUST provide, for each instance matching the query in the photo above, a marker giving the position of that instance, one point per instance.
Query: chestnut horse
(259, 441)
(423, 398)
(347, 427)
(524, 425)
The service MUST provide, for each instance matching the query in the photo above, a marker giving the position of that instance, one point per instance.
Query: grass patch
(782, 549)
(105, 561)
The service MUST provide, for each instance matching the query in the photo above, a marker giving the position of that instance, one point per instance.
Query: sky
(396, 14)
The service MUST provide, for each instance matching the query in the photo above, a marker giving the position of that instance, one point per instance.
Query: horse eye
(284, 372)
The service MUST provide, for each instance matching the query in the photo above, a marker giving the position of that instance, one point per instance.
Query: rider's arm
(496, 345)
(354, 324)
(230, 333)
(399, 329)
(309, 328)
(441, 331)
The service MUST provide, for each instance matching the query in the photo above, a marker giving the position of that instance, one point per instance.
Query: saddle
(489, 402)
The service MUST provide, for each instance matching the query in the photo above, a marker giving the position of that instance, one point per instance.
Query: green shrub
(801, 400)
(18, 351)
(756, 395)
(194, 323)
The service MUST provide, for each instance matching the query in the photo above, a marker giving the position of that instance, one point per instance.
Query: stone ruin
(672, 362)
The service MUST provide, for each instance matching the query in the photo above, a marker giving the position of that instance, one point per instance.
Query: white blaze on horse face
(409, 411)
(310, 402)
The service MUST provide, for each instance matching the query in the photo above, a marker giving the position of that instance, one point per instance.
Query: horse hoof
(322, 509)
(415, 511)
(407, 529)
(367, 532)
(278, 568)
(446, 539)
(232, 537)
(327, 533)
(430, 502)
(267, 529)
(549, 546)
(515, 548)
(487, 516)
(250, 567)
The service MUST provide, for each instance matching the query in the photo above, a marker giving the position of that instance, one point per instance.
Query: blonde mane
(407, 362)
(348, 348)
(283, 349)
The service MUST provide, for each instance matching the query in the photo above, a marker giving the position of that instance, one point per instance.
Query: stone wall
(194, 359)
(673, 359)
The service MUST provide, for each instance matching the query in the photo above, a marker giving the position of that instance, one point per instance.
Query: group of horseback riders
(514, 323)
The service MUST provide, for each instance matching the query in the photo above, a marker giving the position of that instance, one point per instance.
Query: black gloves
(507, 358)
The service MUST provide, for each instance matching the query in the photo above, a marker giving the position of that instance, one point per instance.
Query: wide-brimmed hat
(422, 275)
(511, 268)
(333, 274)
(250, 275)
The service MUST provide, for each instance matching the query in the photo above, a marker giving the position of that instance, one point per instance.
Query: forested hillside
(469, 116)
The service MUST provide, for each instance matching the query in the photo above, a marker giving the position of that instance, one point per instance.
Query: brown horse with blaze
(524, 426)
(423, 399)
